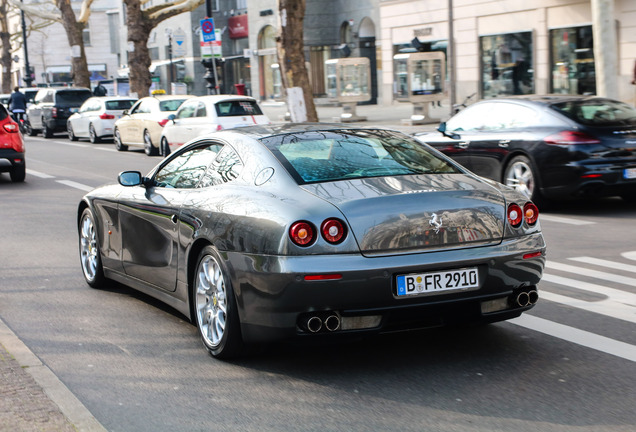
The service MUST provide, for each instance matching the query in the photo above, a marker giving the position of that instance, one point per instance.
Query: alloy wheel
(211, 301)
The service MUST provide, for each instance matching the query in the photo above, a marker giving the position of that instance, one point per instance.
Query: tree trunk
(291, 55)
(139, 28)
(74, 34)
(5, 54)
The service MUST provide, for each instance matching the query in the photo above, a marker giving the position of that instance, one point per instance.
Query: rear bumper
(590, 180)
(275, 301)
(10, 159)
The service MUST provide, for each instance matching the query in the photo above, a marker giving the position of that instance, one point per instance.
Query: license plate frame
(629, 173)
(437, 282)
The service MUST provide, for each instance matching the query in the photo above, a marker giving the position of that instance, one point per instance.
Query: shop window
(506, 64)
(86, 35)
(572, 61)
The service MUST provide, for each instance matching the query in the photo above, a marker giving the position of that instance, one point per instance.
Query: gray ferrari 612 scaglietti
(307, 231)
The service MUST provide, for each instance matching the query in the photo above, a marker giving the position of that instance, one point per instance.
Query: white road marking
(592, 273)
(629, 255)
(565, 220)
(608, 308)
(76, 185)
(574, 335)
(606, 263)
(39, 174)
(616, 295)
(105, 149)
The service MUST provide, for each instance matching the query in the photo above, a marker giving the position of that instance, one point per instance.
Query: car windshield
(597, 112)
(237, 108)
(119, 104)
(76, 97)
(170, 105)
(312, 157)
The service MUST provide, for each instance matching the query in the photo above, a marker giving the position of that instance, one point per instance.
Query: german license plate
(435, 282)
(629, 173)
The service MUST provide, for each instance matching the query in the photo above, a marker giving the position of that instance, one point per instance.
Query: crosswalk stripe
(616, 295)
(592, 273)
(574, 335)
(76, 185)
(565, 220)
(603, 307)
(605, 263)
(39, 174)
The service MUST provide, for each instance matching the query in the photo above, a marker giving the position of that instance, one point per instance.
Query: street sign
(207, 30)
(212, 48)
(179, 49)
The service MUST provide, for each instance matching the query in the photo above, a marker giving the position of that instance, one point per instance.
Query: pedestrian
(100, 90)
(17, 104)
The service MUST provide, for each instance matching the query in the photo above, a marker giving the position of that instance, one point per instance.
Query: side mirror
(125, 112)
(442, 129)
(130, 178)
(172, 117)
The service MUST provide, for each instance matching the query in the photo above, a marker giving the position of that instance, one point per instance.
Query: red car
(11, 147)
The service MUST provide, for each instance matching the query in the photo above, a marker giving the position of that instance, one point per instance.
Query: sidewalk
(32, 398)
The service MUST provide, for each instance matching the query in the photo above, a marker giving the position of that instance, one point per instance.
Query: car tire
(18, 173)
(90, 258)
(149, 148)
(28, 129)
(118, 144)
(92, 134)
(71, 134)
(46, 131)
(165, 147)
(215, 311)
(521, 175)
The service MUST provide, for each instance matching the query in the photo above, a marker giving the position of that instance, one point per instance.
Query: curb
(74, 411)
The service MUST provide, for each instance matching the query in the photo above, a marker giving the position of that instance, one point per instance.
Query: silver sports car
(314, 231)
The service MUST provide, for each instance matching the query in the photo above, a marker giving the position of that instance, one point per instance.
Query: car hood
(408, 214)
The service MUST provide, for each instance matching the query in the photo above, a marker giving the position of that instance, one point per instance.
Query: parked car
(96, 117)
(142, 125)
(52, 108)
(205, 114)
(265, 233)
(11, 147)
(548, 147)
(4, 99)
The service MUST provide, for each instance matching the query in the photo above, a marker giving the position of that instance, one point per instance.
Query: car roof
(221, 98)
(546, 99)
(168, 97)
(268, 130)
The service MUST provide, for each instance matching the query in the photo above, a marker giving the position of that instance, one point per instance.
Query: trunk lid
(409, 214)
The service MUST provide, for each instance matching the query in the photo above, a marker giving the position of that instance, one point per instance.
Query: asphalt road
(568, 365)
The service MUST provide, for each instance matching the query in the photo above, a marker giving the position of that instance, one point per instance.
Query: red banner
(237, 26)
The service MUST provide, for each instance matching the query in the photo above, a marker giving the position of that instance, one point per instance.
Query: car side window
(509, 116)
(201, 110)
(144, 107)
(473, 118)
(226, 167)
(187, 111)
(185, 170)
(135, 108)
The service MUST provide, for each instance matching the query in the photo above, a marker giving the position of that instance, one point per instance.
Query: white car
(96, 117)
(205, 114)
(142, 125)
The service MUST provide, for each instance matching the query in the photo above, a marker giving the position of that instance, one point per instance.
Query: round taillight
(515, 216)
(333, 230)
(302, 233)
(530, 213)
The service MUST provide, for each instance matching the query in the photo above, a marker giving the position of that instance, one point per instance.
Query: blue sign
(207, 30)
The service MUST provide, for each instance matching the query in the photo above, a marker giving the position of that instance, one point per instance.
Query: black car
(52, 108)
(548, 147)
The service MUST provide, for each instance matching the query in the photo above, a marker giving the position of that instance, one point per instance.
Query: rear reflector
(532, 255)
(322, 277)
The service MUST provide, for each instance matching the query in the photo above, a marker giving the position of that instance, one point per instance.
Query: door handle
(462, 144)
(174, 218)
(504, 143)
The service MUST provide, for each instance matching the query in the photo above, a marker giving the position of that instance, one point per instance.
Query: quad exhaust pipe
(316, 323)
(526, 298)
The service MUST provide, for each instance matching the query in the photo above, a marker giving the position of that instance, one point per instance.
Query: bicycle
(458, 107)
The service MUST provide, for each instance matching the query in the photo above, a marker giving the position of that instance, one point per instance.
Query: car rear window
(119, 104)
(597, 112)
(170, 105)
(3, 112)
(72, 97)
(312, 157)
(237, 108)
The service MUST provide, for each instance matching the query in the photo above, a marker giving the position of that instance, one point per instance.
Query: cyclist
(17, 105)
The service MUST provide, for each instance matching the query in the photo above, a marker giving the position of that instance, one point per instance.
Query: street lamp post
(27, 76)
(209, 64)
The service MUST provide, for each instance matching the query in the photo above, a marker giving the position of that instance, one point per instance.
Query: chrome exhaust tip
(314, 324)
(523, 299)
(332, 323)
